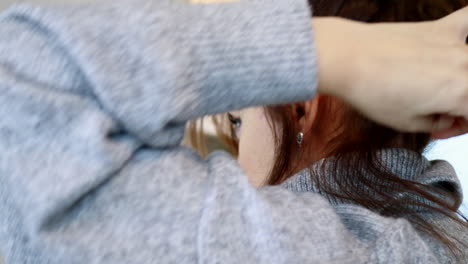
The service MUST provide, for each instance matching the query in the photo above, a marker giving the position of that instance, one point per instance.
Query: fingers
(459, 127)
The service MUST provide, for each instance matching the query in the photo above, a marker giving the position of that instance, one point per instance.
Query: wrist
(336, 49)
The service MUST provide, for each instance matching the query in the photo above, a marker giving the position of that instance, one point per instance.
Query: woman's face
(256, 143)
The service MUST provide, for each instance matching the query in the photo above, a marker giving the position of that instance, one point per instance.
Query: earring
(300, 138)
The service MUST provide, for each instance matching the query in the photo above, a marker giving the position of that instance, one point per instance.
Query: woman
(361, 162)
(94, 101)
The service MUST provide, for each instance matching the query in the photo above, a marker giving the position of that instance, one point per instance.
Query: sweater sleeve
(153, 65)
(93, 102)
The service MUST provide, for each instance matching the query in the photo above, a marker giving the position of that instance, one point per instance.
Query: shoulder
(388, 233)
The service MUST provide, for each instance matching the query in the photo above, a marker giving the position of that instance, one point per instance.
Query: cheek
(256, 145)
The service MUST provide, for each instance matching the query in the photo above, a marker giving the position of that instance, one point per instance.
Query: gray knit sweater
(93, 103)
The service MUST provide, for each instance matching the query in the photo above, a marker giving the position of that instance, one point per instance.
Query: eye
(236, 124)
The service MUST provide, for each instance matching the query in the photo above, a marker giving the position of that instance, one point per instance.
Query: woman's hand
(410, 76)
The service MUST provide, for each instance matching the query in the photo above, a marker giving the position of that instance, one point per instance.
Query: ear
(306, 113)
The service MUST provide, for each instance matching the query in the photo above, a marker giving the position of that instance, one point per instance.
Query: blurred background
(454, 150)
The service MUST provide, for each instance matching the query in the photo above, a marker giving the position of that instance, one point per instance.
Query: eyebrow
(233, 115)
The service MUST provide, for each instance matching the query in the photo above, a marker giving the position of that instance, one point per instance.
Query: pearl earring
(300, 138)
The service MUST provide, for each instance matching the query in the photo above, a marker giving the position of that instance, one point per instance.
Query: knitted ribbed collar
(407, 164)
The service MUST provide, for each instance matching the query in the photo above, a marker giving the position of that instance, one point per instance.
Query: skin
(256, 144)
(375, 74)
(256, 140)
(377, 71)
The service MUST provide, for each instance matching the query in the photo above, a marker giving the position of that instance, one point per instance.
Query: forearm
(173, 61)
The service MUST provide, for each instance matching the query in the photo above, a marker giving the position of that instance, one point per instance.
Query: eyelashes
(236, 123)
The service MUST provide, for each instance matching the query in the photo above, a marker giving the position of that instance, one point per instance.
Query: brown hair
(367, 137)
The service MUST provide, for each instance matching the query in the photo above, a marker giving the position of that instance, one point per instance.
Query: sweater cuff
(256, 52)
